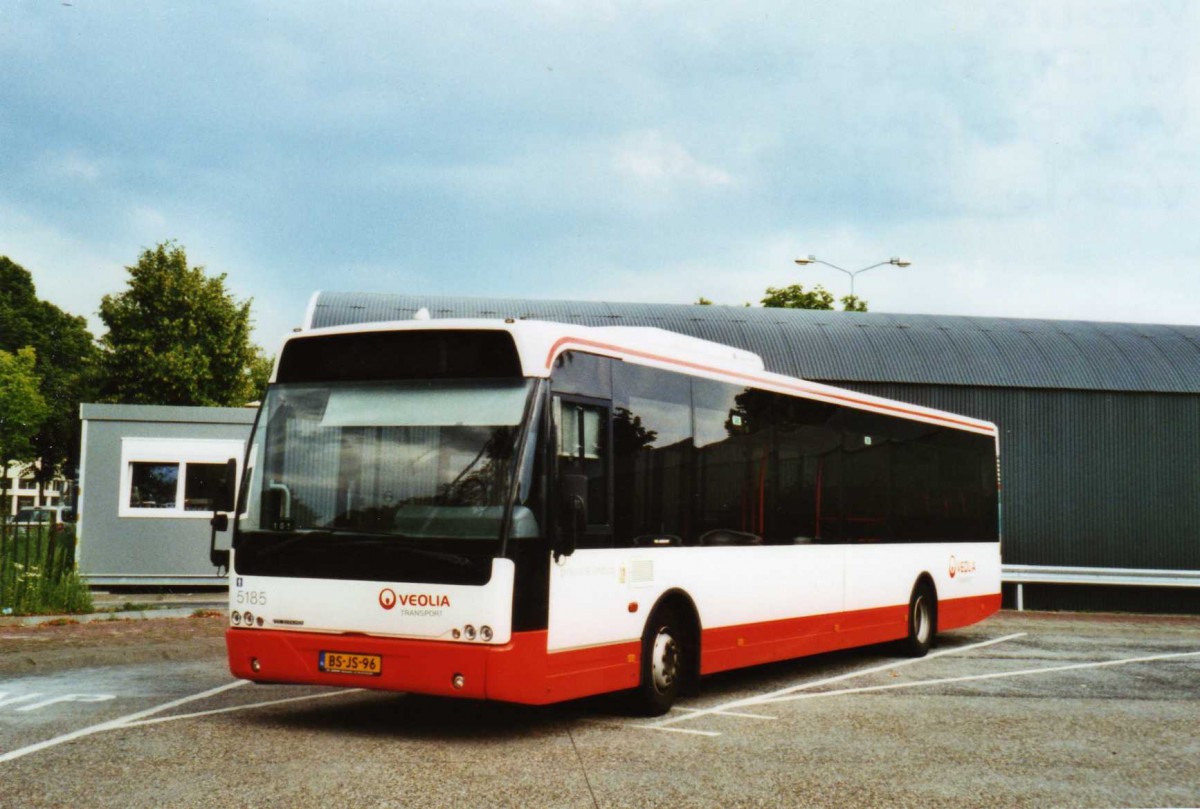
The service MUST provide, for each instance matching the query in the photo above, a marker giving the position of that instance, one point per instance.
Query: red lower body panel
(523, 671)
(966, 611)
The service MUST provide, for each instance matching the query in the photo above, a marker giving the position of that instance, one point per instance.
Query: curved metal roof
(857, 347)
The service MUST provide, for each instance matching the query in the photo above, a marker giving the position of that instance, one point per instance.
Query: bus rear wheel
(922, 621)
(664, 664)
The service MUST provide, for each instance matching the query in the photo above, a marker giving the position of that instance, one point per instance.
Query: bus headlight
(469, 632)
(485, 633)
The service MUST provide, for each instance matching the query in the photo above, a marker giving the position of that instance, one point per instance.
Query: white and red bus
(534, 512)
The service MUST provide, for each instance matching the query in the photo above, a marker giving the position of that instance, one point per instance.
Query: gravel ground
(54, 646)
(1056, 716)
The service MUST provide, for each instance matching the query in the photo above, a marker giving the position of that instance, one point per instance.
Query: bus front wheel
(922, 620)
(664, 656)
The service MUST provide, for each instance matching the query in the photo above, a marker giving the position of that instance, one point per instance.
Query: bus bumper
(517, 671)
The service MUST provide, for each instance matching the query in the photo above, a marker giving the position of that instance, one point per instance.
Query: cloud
(75, 165)
(636, 151)
(650, 159)
(70, 272)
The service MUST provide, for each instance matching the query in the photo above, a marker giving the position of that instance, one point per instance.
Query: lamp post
(894, 260)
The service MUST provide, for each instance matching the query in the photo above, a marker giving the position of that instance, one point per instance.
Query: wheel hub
(921, 619)
(664, 663)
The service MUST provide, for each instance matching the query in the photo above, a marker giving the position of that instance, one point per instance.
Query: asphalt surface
(1022, 710)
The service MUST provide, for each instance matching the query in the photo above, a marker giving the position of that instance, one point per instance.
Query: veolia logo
(424, 600)
(387, 598)
(965, 567)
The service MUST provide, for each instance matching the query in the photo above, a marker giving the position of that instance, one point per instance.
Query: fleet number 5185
(253, 598)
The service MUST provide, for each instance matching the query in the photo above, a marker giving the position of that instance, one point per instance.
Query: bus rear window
(396, 355)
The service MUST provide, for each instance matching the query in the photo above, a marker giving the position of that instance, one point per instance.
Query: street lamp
(894, 260)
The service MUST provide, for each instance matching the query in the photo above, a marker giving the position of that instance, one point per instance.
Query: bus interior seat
(724, 536)
(657, 541)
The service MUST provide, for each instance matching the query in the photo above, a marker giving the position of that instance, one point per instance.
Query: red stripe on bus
(524, 671)
(575, 341)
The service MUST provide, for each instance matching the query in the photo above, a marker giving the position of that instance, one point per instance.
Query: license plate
(350, 663)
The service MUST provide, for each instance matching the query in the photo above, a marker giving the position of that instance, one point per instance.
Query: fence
(37, 570)
(1020, 575)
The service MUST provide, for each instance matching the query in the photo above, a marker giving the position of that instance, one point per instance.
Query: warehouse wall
(1091, 479)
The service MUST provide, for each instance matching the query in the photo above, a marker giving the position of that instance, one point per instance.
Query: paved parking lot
(1022, 710)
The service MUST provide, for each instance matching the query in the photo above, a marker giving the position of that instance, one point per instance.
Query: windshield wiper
(355, 538)
(443, 556)
(295, 539)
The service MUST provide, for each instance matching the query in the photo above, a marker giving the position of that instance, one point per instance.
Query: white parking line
(676, 730)
(761, 699)
(160, 719)
(139, 719)
(119, 722)
(995, 676)
(727, 713)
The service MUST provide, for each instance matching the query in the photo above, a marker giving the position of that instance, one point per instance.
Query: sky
(1032, 159)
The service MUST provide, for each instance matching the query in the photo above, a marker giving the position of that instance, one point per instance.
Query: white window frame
(181, 451)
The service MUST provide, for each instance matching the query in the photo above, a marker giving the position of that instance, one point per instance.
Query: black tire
(664, 664)
(922, 621)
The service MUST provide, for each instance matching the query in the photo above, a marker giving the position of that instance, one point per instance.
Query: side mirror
(225, 495)
(572, 517)
(223, 500)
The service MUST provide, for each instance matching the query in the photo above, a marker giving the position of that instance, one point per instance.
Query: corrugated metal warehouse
(1100, 422)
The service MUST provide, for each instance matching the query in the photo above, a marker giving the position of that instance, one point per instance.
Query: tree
(66, 364)
(797, 297)
(18, 306)
(258, 374)
(176, 336)
(22, 410)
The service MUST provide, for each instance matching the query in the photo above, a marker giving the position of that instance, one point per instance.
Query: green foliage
(67, 363)
(703, 301)
(37, 572)
(853, 303)
(258, 373)
(176, 336)
(22, 409)
(797, 297)
(18, 306)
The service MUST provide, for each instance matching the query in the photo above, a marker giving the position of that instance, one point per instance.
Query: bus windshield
(418, 459)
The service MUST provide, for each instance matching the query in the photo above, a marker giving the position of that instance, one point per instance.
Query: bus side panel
(961, 612)
(732, 647)
(879, 575)
(523, 671)
(599, 597)
(765, 603)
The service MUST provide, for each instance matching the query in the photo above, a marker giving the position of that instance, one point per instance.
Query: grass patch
(130, 606)
(37, 572)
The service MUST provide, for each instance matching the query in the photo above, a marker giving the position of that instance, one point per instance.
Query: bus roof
(539, 343)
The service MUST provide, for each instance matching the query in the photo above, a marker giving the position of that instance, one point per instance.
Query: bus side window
(581, 435)
(653, 457)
